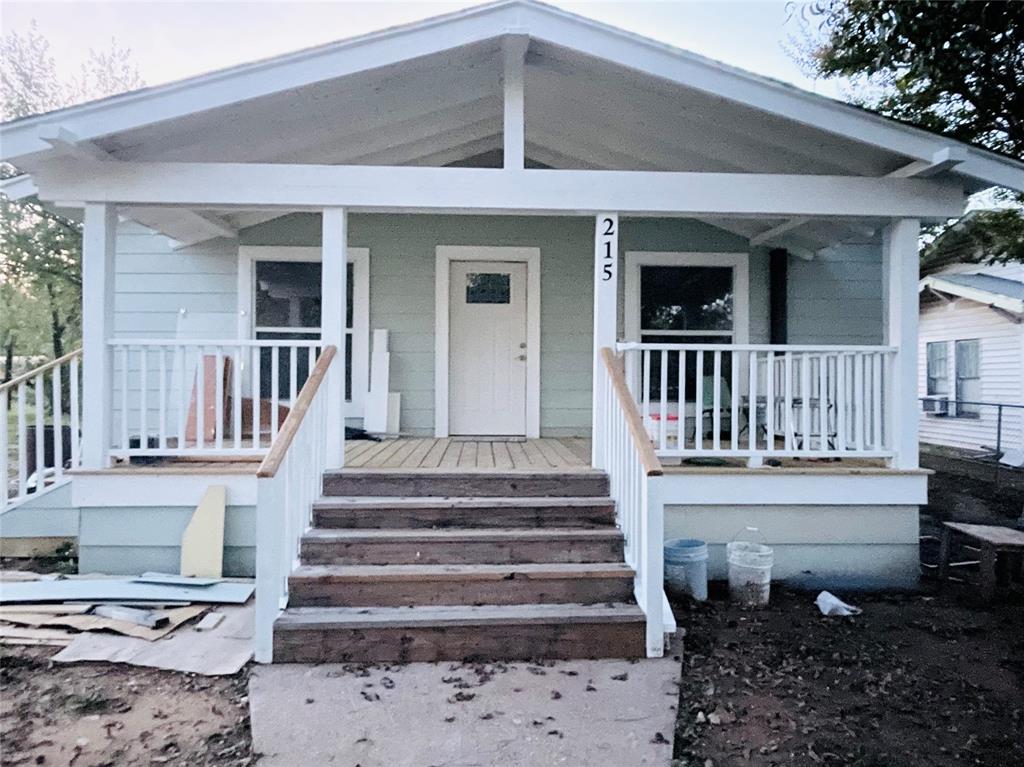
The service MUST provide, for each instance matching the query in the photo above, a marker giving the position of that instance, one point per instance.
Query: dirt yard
(913, 681)
(99, 715)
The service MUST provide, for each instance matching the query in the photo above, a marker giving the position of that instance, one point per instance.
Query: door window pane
(686, 298)
(488, 288)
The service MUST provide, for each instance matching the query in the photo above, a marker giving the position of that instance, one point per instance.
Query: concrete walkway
(579, 713)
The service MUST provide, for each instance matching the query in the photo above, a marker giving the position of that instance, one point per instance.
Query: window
(686, 304)
(968, 377)
(938, 368)
(285, 296)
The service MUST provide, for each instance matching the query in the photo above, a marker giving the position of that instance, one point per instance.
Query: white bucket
(686, 567)
(750, 571)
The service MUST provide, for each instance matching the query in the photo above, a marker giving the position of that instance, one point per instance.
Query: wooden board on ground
(202, 543)
(171, 620)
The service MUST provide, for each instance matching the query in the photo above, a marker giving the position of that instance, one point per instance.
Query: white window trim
(360, 260)
(446, 254)
(740, 263)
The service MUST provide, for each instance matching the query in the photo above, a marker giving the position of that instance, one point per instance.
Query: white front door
(487, 348)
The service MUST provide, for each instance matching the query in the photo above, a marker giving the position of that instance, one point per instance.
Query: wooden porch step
(461, 546)
(442, 484)
(489, 584)
(457, 633)
(532, 512)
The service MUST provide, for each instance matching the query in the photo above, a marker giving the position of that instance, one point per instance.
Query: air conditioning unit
(936, 406)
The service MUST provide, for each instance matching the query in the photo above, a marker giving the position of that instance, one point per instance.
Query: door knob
(522, 345)
(521, 358)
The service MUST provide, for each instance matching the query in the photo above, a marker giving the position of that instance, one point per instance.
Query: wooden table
(992, 541)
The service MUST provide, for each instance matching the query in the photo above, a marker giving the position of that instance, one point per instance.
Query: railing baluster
(752, 403)
(698, 401)
(22, 443)
(257, 406)
(4, 449)
(275, 380)
(823, 406)
(841, 402)
(645, 389)
(787, 415)
(876, 401)
(218, 400)
(663, 403)
(716, 402)
(57, 408)
(125, 359)
(162, 394)
(293, 375)
(180, 358)
(76, 423)
(200, 397)
(734, 414)
(143, 398)
(769, 409)
(236, 397)
(40, 402)
(681, 403)
(859, 421)
(805, 399)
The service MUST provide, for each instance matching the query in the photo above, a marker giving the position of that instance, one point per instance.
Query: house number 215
(608, 254)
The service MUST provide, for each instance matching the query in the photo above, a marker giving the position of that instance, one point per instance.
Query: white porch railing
(287, 482)
(762, 401)
(53, 392)
(634, 473)
(196, 397)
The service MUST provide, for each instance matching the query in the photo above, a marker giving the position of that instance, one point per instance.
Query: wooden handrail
(642, 442)
(39, 370)
(272, 462)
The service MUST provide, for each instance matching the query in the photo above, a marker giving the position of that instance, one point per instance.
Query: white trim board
(360, 260)
(143, 489)
(762, 487)
(740, 263)
(445, 255)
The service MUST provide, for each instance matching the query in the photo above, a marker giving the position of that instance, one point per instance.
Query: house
(971, 348)
(629, 293)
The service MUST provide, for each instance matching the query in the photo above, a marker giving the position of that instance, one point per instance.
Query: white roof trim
(978, 295)
(542, 22)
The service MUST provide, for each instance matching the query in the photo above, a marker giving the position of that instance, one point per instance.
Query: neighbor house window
(938, 369)
(968, 377)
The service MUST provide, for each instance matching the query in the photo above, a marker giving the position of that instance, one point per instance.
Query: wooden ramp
(432, 564)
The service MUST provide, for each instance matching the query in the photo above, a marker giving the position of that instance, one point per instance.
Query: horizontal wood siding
(1002, 373)
(836, 298)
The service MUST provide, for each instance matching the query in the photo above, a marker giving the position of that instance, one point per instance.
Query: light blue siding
(836, 298)
(50, 515)
(130, 540)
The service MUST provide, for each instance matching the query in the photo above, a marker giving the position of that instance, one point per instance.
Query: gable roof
(563, 38)
(982, 288)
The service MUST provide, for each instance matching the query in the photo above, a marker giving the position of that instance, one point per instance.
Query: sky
(172, 40)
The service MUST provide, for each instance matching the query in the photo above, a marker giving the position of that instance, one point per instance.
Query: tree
(955, 67)
(40, 251)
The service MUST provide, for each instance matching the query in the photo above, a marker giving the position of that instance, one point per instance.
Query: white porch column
(334, 276)
(98, 243)
(606, 314)
(900, 269)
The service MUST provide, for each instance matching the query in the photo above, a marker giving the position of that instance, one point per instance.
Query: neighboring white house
(972, 352)
(569, 233)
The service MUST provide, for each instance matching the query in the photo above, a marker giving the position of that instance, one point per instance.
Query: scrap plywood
(123, 591)
(202, 543)
(223, 650)
(85, 622)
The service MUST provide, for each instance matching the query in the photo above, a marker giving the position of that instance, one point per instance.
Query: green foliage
(40, 251)
(952, 66)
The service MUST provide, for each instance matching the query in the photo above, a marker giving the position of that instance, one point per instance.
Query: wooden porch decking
(456, 454)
